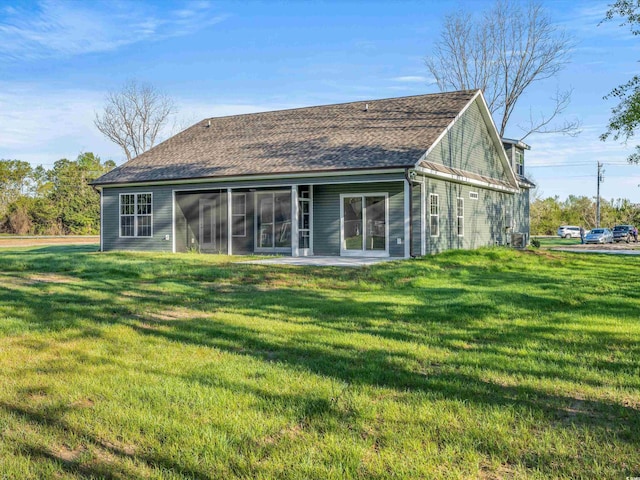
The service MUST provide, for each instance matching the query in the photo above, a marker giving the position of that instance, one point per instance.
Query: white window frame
(519, 155)
(236, 215)
(459, 217)
(473, 195)
(309, 201)
(364, 253)
(434, 215)
(135, 215)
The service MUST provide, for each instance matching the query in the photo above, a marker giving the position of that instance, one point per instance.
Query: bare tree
(133, 117)
(503, 52)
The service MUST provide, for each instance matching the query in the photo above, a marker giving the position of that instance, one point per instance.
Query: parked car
(569, 231)
(623, 233)
(599, 235)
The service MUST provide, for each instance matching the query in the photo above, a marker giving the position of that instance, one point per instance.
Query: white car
(569, 231)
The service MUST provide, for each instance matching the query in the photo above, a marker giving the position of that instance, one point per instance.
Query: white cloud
(412, 79)
(65, 28)
(558, 149)
(42, 127)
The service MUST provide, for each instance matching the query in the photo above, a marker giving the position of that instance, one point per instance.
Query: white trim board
(407, 218)
(249, 178)
(102, 220)
(464, 180)
(229, 222)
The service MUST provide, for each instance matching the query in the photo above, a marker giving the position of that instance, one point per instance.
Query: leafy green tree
(579, 211)
(77, 204)
(625, 117)
(15, 178)
(549, 213)
(545, 215)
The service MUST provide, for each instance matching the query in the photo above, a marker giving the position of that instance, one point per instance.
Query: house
(395, 177)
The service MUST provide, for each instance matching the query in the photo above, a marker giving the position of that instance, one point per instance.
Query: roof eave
(233, 178)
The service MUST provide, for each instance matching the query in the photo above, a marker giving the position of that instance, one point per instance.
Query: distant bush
(535, 243)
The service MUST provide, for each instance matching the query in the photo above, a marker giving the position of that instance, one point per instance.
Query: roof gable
(471, 144)
(390, 133)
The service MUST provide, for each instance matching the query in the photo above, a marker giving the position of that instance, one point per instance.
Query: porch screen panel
(353, 223)
(207, 224)
(282, 217)
(239, 215)
(265, 220)
(376, 223)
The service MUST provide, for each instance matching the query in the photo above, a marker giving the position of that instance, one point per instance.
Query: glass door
(273, 221)
(376, 222)
(207, 239)
(364, 225)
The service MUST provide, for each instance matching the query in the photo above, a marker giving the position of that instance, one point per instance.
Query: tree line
(549, 213)
(57, 201)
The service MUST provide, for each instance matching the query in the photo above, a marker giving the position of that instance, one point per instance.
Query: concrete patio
(323, 261)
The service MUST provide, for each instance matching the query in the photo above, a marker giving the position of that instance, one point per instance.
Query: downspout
(407, 177)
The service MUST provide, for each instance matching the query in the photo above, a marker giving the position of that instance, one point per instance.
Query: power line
(581, 164)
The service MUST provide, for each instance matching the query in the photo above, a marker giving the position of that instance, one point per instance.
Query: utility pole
(600, 180)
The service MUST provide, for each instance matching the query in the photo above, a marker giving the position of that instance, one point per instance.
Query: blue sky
(59, 58)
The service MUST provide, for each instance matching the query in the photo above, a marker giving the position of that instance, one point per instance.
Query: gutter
(253, 177)
(464, 180)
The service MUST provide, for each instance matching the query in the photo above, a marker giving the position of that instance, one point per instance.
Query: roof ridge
(473, 90)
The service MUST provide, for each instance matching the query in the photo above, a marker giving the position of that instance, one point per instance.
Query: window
(519, 162)
(473, 195)
(239, 214)
(460, 216)
(434, 214)
(304, 216)
(135, 214)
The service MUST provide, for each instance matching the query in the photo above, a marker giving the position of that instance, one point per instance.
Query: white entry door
(364, 225)
(208, 237)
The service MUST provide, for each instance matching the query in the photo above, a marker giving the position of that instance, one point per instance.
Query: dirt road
(11, 241)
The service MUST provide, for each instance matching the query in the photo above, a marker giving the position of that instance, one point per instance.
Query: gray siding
(186, 210)
(484, 218)
(521, 212)
(326, 215)
(161, 220)
(468, 146)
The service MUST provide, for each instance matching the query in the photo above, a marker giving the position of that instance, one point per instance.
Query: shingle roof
(393, 132)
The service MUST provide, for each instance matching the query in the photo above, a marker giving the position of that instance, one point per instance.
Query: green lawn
(488, 364)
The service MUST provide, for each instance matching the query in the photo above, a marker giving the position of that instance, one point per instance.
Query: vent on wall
(473, 195)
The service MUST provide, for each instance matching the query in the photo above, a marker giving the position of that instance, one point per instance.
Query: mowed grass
(486, 364)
